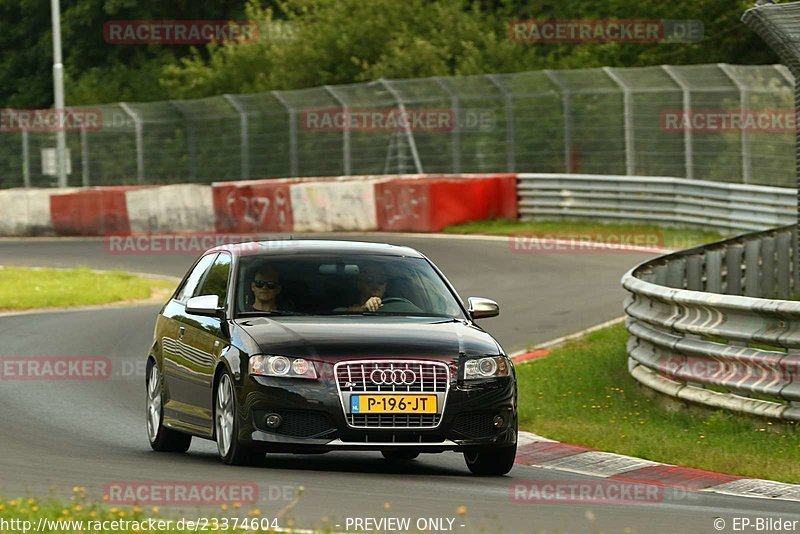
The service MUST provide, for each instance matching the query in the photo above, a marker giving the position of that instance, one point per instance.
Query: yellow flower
(34, 508)
(462, 510)
(31, 501)
(237, 505)
(12, 503)
(155, 509)
(224, 507)
(386, 506)
(254, 512)
(137, 510)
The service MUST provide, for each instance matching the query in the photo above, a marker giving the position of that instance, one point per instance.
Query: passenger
(266, 287)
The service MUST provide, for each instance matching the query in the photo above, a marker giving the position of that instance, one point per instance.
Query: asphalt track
(60, 434)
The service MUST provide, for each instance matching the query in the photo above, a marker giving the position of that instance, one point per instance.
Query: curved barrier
(656, 200)
(712, 324)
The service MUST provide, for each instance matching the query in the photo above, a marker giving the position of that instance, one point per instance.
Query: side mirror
(206, 305)
(480, 308)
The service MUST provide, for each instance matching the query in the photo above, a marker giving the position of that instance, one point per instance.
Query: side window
(199, 270)
(216, 282)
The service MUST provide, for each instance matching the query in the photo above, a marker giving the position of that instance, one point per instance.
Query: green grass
(582, 394)
(673, 238)
(25, 289)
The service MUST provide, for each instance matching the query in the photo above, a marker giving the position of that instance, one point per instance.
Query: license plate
(393, 404)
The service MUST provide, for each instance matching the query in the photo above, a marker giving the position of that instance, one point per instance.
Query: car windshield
(337, 284)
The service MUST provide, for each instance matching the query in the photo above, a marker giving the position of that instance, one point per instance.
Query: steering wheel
(397, 299)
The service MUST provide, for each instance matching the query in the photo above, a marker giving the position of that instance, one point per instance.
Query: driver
(371, 287)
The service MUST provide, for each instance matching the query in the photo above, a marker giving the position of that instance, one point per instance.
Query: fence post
(346, 161)
(139, 133)
(294, 162)
(509, 98)
(84, 158)
(412, 144)
(566, 100)
(688, 149)
(26, 159)
(627, 104)
(190, 141)
(747, 164)
(455, 134)
(244, 136)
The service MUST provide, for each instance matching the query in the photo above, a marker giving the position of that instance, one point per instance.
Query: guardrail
(656, 200)
(712, 324)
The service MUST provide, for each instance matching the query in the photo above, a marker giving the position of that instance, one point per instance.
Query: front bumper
(313, 418)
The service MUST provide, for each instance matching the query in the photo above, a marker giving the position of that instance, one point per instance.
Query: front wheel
(491, 462)
(226, 427)
(161, 438)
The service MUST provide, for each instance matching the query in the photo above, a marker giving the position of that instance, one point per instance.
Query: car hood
(358, 336)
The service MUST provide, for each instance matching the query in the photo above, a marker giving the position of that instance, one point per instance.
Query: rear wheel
(491, 462)
(226, 427)
(399, 454)
(161, 438)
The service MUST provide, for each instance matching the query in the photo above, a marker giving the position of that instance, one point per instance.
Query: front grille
(298, 424)
(392, 376)
(387, 420)
(427, 377)
(475, 425)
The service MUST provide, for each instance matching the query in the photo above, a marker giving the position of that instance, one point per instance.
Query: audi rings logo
(396, 377)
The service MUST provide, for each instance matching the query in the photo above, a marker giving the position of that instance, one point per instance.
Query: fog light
(498, 421)
(273, 420)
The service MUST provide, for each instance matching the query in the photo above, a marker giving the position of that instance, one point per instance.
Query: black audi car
(308, 346)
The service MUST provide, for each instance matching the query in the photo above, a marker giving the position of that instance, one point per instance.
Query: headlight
(282, 366)
(490, 367)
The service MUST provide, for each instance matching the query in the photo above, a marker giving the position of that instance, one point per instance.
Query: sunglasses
(268, 284)
(379, 280)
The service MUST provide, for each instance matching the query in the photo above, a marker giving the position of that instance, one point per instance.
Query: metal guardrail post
(84, 158)
(139, 133)
(509, 104)
(566, 101)
(627, 104)
(244, 136)
(346, 155)
(747, 163)
(733, 270)
(412, 144)
(26, 159)
(456, 132)
(294, 162)
(688, 147)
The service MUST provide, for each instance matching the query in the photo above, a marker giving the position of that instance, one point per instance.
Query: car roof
(315, 246)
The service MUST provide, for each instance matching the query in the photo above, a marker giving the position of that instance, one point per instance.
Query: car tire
(491, 462)
(226, 426)
(399, 455)
(161, 438)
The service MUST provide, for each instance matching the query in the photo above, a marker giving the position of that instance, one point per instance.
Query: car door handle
(181, 333)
